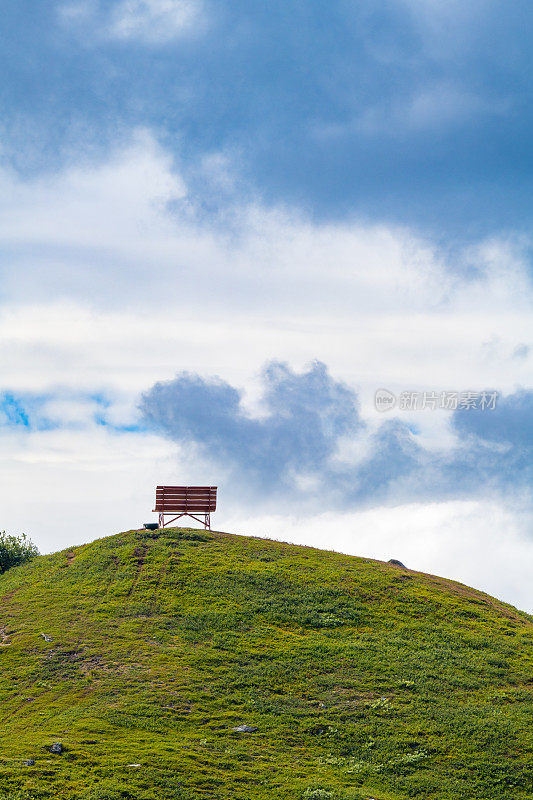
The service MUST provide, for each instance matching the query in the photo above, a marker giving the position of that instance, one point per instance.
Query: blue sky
(224, 226)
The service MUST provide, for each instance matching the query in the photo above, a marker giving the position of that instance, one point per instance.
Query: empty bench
(185, 501)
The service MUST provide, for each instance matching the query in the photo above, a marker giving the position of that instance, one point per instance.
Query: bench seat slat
(185, 506)
(185, 494)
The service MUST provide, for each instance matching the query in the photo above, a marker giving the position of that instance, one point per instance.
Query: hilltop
(360, 679)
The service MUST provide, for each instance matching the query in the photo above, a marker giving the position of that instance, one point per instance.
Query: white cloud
(78, 11)
(150, 22)
(449, 30)
(433, 106)
(113, 279)
(67, 411)
(111, 276)
(154, 21)
(437, 106)
(84, 484)
(106, 284)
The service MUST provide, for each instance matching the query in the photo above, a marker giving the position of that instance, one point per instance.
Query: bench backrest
(199, 499)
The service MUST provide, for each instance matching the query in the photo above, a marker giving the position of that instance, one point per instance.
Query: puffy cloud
(110, 232)
(294, 447)
(305, 415)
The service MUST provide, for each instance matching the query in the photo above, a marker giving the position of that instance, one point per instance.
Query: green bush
(15, 550)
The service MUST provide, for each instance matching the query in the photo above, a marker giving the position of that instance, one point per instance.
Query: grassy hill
(364, 680)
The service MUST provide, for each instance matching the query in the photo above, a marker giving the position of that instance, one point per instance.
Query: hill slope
(363, 679)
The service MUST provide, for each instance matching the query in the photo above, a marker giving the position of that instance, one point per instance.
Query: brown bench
(185, 501)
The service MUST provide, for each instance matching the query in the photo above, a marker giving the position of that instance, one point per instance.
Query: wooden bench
(185, 501)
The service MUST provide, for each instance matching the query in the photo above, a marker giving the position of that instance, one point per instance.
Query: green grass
(365, 680)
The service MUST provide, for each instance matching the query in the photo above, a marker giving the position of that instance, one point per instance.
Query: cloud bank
(396, 110)
(292, 453)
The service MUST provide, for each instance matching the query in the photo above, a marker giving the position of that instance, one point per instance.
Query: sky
(224, 227)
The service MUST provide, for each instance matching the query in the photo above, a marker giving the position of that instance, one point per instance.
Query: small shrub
(15, 550)
(318, 794)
